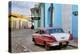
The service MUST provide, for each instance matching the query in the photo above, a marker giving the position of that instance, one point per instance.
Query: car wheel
(34, 41)
(47, 47)
(56, 48)
(64, 46)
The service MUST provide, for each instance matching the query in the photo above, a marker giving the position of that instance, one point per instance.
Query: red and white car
(51, 37)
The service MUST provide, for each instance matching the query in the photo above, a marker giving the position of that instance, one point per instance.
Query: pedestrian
(32, 27)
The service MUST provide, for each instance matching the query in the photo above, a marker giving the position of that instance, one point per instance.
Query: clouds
(22, 7)
(23, 4)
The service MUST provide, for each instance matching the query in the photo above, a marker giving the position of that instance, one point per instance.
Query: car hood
(61, 36)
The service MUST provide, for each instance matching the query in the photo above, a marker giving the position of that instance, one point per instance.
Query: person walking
(32, 27)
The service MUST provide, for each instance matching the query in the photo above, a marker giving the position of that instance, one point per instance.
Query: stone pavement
(22, 42)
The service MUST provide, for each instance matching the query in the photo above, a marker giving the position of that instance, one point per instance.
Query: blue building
(46, 16)
(75, 21)
(59, 15)
(50, 15)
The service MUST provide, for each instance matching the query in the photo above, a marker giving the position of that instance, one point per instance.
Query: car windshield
(41, 32)
(57, 30)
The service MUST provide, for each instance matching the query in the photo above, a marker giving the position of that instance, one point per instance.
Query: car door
(40, 38)
(37, 37)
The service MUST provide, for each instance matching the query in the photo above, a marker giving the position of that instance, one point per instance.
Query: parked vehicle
(52, 37)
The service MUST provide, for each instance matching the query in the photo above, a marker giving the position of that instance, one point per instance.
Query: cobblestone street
(22, 41)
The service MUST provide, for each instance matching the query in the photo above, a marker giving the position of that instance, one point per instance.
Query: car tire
(34, 41)
(64, 46)
(47, 47)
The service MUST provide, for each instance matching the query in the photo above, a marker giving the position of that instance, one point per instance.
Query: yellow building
(18, 21)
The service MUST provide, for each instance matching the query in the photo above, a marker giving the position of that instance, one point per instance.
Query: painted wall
(57, 15)
(35, 24)
(42, 15)
(62, 17)
(47, 5)
(67, 17)
(49, 16)
(75, 22)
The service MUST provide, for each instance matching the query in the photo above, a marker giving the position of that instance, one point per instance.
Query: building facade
(60, 15)
(35, 16)
(18, 22)
(75, 21)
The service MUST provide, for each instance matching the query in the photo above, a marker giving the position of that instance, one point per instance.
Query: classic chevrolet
(51, 37)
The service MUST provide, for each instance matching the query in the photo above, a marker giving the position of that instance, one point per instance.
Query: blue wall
(57, 15)
(47, 5)
(75, 22)
(42, 15)
(49, 17)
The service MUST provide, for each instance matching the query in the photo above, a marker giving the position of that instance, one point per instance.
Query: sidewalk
(73, 43)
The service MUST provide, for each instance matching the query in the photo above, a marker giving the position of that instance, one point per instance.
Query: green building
(35, 16)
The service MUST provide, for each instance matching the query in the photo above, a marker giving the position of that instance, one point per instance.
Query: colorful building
(46, 15)
(75, 20)
(18, 21)
(35, 16)
(60, 15)
(50, 15)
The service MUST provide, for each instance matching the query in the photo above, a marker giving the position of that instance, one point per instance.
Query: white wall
(66, 17)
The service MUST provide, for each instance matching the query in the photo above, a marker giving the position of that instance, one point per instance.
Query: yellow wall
(17, 23)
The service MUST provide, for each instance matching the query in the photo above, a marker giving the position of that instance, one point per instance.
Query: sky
(22, 7)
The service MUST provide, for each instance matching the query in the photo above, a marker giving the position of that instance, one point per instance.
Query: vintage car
(51, 37)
